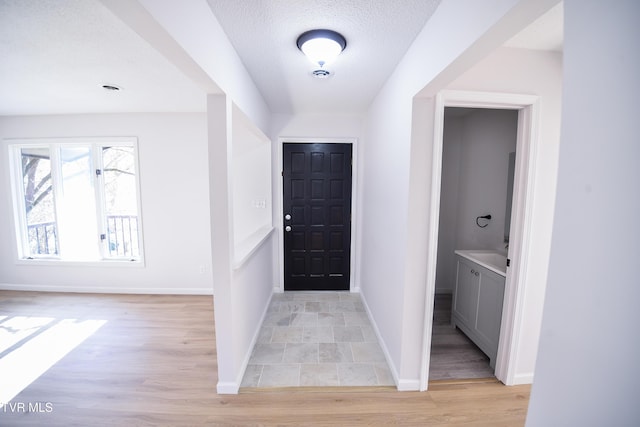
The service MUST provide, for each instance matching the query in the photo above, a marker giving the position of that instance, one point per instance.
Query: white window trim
(23, 256)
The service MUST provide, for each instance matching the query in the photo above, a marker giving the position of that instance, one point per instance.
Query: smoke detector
(321, 73)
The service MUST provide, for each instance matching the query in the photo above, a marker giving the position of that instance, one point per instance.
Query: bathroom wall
(475, 164)
(452, 142)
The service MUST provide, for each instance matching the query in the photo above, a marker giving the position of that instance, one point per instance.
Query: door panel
(466, 294)
(317, 196)
(490, 301)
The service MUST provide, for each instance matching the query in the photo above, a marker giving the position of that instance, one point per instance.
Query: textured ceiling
(57, 54)
(264, 34)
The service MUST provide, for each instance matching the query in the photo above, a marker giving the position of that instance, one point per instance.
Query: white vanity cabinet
(477, 305)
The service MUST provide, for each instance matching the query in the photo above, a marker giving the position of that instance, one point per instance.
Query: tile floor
(317, 339)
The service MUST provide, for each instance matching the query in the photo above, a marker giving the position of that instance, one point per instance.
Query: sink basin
(492, 260)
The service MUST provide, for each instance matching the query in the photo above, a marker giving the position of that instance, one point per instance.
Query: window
(76, 199)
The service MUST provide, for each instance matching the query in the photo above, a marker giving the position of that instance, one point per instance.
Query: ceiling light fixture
(321, 46)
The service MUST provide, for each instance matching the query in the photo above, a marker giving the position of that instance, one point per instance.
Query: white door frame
(520, 239)
(353, 287)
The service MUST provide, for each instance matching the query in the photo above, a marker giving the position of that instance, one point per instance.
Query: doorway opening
(478, 159)
(519, 236)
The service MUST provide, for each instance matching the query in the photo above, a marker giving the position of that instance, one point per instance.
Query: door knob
(287, 228)
(287, 217)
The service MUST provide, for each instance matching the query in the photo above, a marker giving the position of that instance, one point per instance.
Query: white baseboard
(227, 388)
(247, 356)
(105, 289)
(409, 385)
(383, 345)
(521, 379)
(402, 384)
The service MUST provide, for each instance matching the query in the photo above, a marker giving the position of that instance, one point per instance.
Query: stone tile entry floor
(317, 339)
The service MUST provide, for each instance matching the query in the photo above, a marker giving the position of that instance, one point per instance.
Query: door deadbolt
(287, 217)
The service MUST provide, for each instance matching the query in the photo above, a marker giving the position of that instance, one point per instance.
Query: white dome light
(321, 46)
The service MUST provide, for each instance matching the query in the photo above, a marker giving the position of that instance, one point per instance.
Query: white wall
(476, 147)
(251, 185)
(241, 294)
(175, 206)
(394, 227)
(333, 127)
(316, 125)
(587, 370)
(192, 24)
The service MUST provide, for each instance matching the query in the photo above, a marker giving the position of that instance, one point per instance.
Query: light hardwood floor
(453, 354)
(153, 363)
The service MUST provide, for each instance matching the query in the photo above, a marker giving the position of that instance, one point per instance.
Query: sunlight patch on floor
(18, 328)
(24, 364)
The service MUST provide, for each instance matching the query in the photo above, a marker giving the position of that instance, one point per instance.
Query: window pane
(121, 202)
(42, 233)
(78, 224)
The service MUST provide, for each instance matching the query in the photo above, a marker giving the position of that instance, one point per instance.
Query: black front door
(317, 216)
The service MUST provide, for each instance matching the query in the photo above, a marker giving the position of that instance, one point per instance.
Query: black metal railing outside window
(122, 237)
(43, 238)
